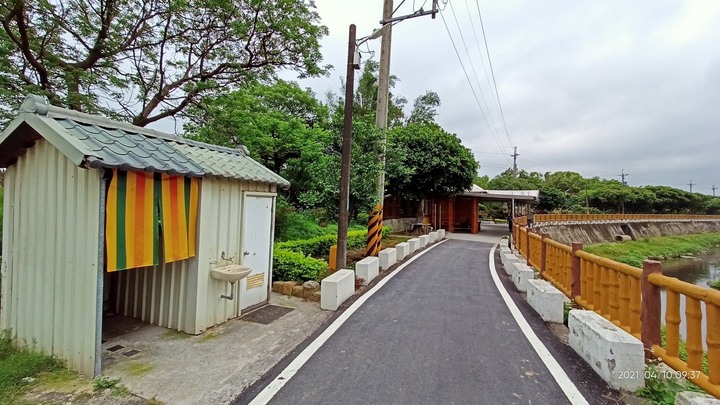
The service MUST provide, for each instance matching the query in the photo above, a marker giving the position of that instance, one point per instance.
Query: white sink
(230, 273)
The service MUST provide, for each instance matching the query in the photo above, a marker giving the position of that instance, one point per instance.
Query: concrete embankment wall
(595, 232)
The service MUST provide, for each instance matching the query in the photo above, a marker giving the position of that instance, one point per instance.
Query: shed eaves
(118, 148)
(228, 164)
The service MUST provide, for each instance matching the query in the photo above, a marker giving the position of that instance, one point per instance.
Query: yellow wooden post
(693, 314)
(672, 324)
(713, 342)
(333, 258)
(597, 280)
(635, 306)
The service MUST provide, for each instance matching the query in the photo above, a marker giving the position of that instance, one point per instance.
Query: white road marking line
(565, 383)
(264, 396)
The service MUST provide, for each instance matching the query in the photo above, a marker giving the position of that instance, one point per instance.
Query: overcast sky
(587, 86)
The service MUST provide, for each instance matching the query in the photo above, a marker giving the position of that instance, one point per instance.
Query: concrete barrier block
(695, 398)
(434, 237)
(387, 257)
(414, 244)
(508, 260)
(336, 289)
(403, 250)
(441, 233)
(546, 300)
(367, 269)
(615, 355)
(521, 274)
(424, 240)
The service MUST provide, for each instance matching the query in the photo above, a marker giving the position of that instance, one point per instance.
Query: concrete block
(336, 289)
(387, 257)
(521, 274)
(424, 240)
(403, 250)
(695, 398)
(414, 244)
(615, 355)
(434, 237)
(441, 234)
(507, 260)
(546, 300)
(367, 269)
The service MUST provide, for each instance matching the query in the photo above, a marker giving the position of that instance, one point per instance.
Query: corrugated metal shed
(54, 239)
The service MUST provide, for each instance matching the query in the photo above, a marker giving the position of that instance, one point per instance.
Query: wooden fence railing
(538, 218)
(630, 298)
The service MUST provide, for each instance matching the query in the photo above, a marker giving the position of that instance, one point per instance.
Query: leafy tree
(366, 95)
(277, 122)
(145, 60)
(315, 176)
(425, 108)
(427, 162)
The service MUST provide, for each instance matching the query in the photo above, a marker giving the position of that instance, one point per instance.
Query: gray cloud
(593, 87)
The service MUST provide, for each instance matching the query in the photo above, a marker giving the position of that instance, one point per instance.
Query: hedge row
(320, 245)
(297, 260)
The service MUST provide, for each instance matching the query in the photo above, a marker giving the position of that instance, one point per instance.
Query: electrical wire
(472, 66)
(472, 89)
(487, 50)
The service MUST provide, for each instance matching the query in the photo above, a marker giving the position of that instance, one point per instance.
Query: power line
(482, 61)
(492, 71)
(467, 77)
(472, 66)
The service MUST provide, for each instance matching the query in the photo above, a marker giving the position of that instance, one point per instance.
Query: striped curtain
(144, 208)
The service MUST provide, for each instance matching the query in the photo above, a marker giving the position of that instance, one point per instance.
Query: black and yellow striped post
(374, 233)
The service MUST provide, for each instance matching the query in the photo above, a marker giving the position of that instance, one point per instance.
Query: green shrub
(295, 266)
(320, 246)
(714, 284)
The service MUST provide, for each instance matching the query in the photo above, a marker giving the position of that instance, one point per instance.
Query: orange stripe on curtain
(179, 217)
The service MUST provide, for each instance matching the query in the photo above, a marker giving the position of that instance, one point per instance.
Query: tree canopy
(145, 60)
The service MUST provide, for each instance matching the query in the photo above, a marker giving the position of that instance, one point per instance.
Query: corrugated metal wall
(157, 295)
(50, 261)
(182, 295)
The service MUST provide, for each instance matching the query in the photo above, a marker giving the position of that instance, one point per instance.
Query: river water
(697, 270)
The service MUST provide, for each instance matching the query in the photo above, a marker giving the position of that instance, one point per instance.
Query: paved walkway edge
(565, 383)
(273, 387)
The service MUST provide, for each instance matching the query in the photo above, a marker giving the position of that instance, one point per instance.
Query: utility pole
(691, 184)
(381, 115)
(624, 183)
(381, 111)
(623, 175)
(514, 156)
(347, 144)
(713, 189)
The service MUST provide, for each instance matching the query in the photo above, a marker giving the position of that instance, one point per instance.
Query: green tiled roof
(98, 142)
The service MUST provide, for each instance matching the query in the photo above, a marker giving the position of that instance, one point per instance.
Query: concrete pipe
(623, 238)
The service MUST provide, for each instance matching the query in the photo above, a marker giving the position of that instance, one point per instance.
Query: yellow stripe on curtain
(131, 221)
(179, 207)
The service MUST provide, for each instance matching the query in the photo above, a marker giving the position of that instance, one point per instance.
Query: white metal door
(256, 243)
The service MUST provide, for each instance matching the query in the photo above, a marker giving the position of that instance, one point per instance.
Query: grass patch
(714, 284)
(113, 384)
(662, 390)
(173, 334)
(138, 368)
(210, 335)
(634, 252)
(18, 364)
